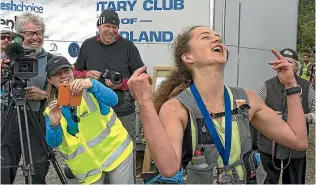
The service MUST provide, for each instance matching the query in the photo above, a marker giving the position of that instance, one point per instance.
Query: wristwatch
(293, 90)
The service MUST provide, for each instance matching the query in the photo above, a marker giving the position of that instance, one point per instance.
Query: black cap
(55, 64)
(287, 52)
(109, 16)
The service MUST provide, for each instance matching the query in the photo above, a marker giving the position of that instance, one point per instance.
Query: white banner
(152, 22)
(157, 21)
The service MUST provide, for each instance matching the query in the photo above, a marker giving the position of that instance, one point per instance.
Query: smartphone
(66, 98)
(63, 95)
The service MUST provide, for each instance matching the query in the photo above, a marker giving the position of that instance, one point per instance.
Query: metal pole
(224, 20)
(238, 44)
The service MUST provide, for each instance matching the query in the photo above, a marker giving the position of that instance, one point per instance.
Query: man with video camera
(31, 27)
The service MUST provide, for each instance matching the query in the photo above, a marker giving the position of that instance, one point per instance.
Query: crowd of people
(193, 118)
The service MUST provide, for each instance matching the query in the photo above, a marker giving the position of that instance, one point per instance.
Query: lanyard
(224, 152)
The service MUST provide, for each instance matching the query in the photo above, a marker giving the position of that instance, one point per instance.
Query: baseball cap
(288, 52)
(56, 63)
(5, 29)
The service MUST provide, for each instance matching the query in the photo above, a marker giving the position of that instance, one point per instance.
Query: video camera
(22, 65)
(113, 76)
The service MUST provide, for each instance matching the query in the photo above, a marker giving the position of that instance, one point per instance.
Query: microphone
(15, 51)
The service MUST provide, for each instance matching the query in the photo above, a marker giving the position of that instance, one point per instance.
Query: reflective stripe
(109, 161)
(89, 101)
(104, 134)
(79, 150)
(94, 141)
(193, 132)
(90, 173)
(117, 153)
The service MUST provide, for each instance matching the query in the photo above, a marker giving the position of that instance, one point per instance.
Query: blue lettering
(124, 34)
(178, 4)
(151, 36)
(132, 37)
(131, 4)
(167, 36)
(165, 5)
(3, 6)
(21, 7)
(116, 5)
(128, 20)
(102, 3)
(40, 9)
(8, 6)
(112, 5)
(121, 5)
(146, 5)
(143, 37)
(150, 5)
(155, 36)
(28, 8)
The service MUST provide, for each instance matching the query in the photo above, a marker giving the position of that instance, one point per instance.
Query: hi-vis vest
(211, 152)
(101, 144)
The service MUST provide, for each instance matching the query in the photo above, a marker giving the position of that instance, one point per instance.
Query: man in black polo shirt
(108, 50)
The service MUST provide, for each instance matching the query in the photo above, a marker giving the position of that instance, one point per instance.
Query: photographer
(91, 139)
(110, 51)
(32, 28)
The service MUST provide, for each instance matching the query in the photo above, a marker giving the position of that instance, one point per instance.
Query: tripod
(18, 101)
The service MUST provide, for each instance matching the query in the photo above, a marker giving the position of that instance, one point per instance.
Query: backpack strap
(241, 98)
(187, 100)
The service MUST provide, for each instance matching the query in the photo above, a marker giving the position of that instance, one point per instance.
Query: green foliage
(306, 25)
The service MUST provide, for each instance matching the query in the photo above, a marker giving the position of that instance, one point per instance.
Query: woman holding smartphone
(90, 137)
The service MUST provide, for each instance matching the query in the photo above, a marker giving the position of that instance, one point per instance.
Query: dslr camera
(22, 64)
(113, 76)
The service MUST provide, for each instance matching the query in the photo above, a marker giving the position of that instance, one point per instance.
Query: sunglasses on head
(73, 111)
(8, 37)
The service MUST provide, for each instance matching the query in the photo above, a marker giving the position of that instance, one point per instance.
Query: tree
(306, 25)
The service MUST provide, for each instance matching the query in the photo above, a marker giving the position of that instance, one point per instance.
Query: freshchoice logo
(21, 7)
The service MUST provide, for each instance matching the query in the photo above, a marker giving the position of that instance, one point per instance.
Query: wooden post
(147, 161)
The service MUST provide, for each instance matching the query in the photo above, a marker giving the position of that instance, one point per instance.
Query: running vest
(101, 144)
(276, 100)
(241, 138)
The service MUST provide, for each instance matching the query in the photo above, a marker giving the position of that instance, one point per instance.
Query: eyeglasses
(39, 33)
(8, 37)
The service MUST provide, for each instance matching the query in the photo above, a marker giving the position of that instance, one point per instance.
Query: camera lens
(25, 67)
(117, 79)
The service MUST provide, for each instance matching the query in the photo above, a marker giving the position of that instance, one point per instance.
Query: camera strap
(224, 152)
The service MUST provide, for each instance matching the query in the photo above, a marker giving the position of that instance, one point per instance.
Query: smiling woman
(193, 114)
(91, 126)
